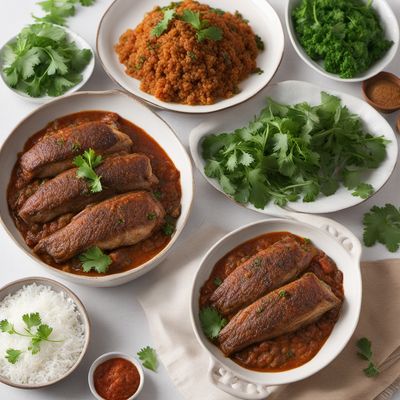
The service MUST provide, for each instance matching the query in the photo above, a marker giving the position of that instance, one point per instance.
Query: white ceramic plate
(388, 22)
(336, 241)
(291, 92)
(124, 14)
(132, 110)
(86, 73)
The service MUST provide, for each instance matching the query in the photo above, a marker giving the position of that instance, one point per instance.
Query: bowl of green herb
(344, 40)
(45, 61)
(296, 146)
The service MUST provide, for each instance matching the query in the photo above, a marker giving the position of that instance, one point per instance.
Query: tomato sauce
(290, 350)
(168, 191)
(116, 379)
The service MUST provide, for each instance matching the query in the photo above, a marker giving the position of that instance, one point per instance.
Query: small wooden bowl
(13, 287)
(381, 77)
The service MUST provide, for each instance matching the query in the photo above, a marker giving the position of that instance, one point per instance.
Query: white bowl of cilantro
(45, 61)
(344, 40)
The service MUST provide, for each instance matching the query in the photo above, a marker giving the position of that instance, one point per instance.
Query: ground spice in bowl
(383, 92)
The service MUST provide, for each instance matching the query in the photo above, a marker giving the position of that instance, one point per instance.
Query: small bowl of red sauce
(115, 376)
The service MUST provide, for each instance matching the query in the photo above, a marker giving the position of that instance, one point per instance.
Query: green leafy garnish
(169, 227)
(293, 152)
(217, 281)
(12, 355)
(260, 44)
(382, 225)
(283, 293)
(203, 30)
(151, 216)
(217, 11)
(162, 26)
(346, 35)
(94, 258)
(43, 61)
(35, 330)
(86, 164)
(211, 322)
(57, 11)
(148, 356)
(365, 352)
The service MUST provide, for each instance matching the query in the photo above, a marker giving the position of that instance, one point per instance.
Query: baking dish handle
(228, 382)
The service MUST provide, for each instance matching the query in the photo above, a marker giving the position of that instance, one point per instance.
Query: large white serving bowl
(86, 73)
(132, 110)
(292, 92)
(388, 22)
(336, 241)
(125, 14)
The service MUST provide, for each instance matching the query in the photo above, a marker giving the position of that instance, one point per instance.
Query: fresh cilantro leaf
(365, 352)
(363, 190)
(382, 225)
(217, 281)
(12, 355)
(203, 31)
(94, 258)
(162, 26)
(148, 357)
(44, 331)
(87, 3)
(211, 322)
(34, 347)
(86, 164)
(7, 327)
(212, 33)
(32, 320)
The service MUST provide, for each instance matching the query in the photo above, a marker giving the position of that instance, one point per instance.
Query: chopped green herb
(217, 11)
(157, 194)
(240, 16)
(256, 262)
(258, 71)
(162, 26)
(86, 164)
(192, 55)
(94, 258)
(217, 281)
(307, 240)
(151, 216)
(363, 190)
(293, 152)
(203, 30)
(140, 63)
(43, 61)
(148, 357)
(365, 352)
(382, 225)
(260, 44)
(283, 293)
(121, 221)
(211, 322)
(169, 226)
(346, 35)
(290, 354)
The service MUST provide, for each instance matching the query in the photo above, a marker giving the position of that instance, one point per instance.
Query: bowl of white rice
(44, 333)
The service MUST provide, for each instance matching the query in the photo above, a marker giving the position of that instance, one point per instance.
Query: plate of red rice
(190, 56)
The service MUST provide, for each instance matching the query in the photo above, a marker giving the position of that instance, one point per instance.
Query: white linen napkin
(165, 298)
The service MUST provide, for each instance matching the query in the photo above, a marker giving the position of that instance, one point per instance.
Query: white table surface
(118, 321)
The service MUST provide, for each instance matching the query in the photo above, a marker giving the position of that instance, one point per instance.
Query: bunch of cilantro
(346, 35)
(294, 152)
(43, 61)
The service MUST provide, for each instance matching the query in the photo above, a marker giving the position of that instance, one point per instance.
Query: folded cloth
(165, 297)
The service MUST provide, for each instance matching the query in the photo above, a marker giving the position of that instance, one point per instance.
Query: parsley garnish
(217, 11)
(217, 281)
(57, 11)
(365, 352)
(260, 44)
(162, 26)
(35, 330)
(140, 62)
(148, 356)
(293, 152)
(382, 225)
(363, 190)
(86, 164)
(94, 258)
(283, 293)
(151, 216)
(258, 71)
(203, 30)
(43, 61)
(211, 322)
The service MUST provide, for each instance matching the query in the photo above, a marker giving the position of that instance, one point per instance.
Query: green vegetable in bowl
(346, 35)
(43, 61)
(291, 152)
